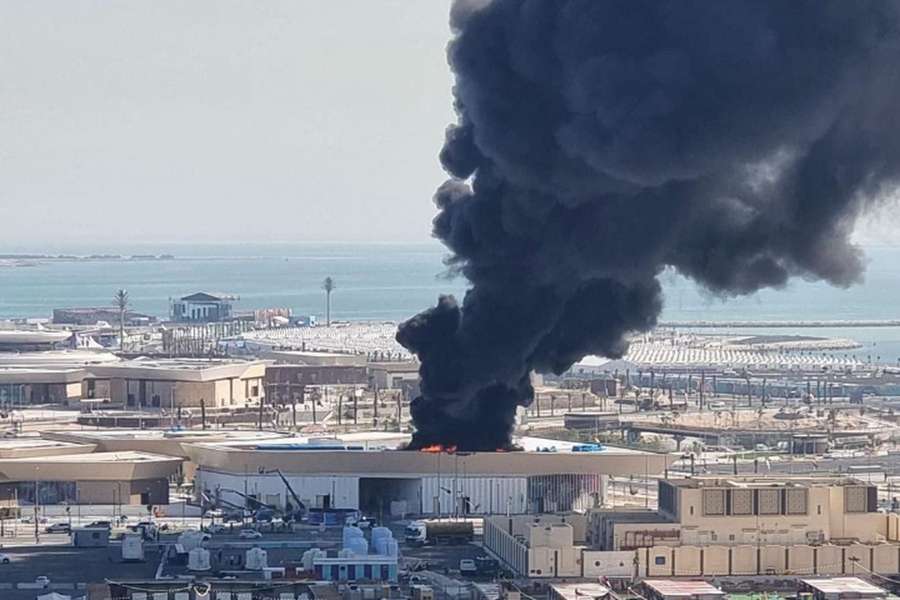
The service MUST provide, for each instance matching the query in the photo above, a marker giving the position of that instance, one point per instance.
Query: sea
(392, 281)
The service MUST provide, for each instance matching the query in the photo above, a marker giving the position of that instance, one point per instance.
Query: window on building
(692, 510)
(254, 391)
(819, 509)
(660, 560)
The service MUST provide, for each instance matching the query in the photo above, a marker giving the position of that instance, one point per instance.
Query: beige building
(713, 527)
(746, 510)
(177, 383)
(49, 377)
(60, 472)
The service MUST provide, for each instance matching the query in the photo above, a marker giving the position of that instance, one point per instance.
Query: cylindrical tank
(379, 533)
(358, 546)
(350, 532)
(309, 556)
(198, 560)
(257, 559)
(387, 547)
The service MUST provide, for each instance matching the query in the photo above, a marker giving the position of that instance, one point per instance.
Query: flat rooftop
(844, 585)
(687, 589)
(177, 434)
(760, 482)
(37, 447)
(95, 457)
(580, 591)
(181, 364)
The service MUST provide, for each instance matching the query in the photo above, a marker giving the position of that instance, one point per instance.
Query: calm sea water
(393, 281)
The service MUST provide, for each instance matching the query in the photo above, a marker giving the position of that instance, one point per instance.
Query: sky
(218, 120)
(222, 120)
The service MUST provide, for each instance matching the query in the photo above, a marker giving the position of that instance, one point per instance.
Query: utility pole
(375, 405)
(702, 383)
(37, 530)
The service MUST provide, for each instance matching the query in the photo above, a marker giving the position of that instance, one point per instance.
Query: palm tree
(120, 301)
(328, 286)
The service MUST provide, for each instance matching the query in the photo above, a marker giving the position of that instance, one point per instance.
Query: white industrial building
(363, 471)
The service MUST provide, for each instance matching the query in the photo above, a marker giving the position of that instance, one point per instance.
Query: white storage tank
(192, 538)
(358, 546)
(350, 533)
(381, 533)
(257, 559)
(309, 556)
(198, 560)
(387, 547)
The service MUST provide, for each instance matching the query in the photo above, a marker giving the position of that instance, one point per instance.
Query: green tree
(120, 301)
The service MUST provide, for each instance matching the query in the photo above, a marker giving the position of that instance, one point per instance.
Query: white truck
(420, 533)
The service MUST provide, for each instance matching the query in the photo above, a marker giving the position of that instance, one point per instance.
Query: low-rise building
(202, 308)
(286, 383)
(90, 316)
(50, 377)
(747, 510)
(709, 526)
(840, 588)
(671, 589)
(50, 472)
(392, 375)
(178, 383)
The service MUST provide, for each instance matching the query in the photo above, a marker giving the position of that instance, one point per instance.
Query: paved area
(68, 568)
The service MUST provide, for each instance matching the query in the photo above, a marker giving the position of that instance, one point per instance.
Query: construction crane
(300, 508)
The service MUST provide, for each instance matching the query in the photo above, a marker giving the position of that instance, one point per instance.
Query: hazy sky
(217, 120)
(221, 120)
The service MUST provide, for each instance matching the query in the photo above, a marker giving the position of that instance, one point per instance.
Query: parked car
(5, 559)
(59, 528)
(100, 524)
(467, 567)
(216, 528)
(42, 580)
(249, 534)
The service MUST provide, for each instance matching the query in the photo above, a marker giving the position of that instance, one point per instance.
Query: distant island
(30, 260)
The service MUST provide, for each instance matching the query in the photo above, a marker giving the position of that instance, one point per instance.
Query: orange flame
(438, 448)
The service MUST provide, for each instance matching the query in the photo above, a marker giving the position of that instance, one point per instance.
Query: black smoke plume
(601, 142)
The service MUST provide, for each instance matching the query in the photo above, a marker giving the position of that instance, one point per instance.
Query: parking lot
(66, 567)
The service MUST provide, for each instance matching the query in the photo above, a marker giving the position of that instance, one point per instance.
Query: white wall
(488, 495)
(344, 490)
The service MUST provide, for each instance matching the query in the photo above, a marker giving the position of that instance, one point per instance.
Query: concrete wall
(886, 558)
(857, 559)
(716, 560)
(744, 560)
(511, 551)
(688, 561)
(777, 560)
(801, 560)
(609, 564)
(829, 560)
(125, 492)
(658, 562)
(772, 559)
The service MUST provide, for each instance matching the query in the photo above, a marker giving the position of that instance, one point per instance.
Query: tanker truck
(420, 533)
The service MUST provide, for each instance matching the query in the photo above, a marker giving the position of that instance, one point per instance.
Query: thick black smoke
(600, 142)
